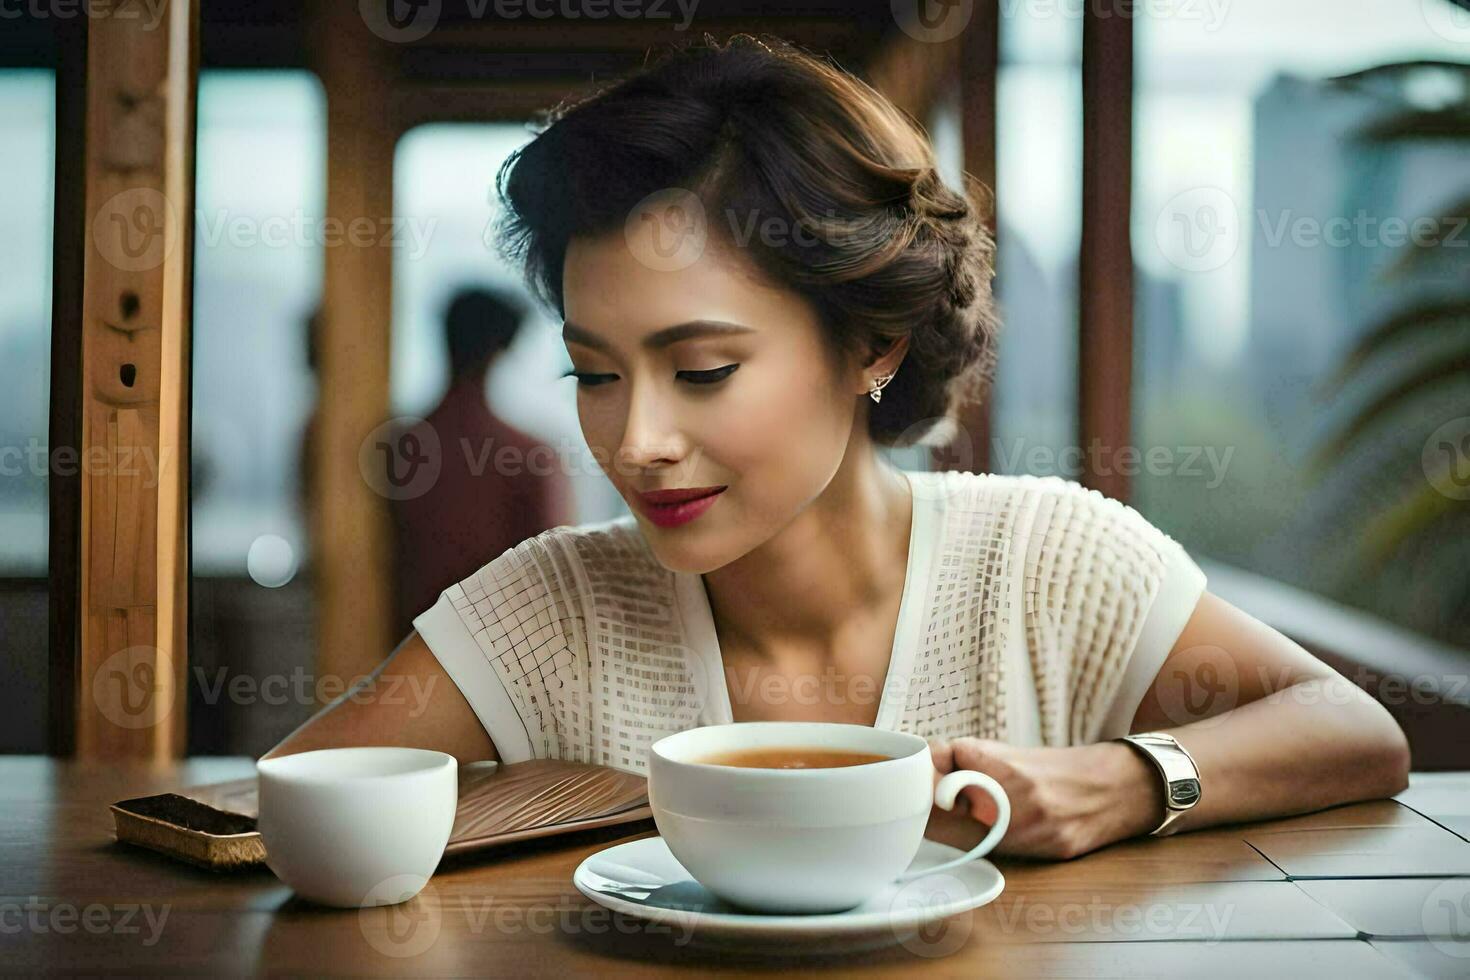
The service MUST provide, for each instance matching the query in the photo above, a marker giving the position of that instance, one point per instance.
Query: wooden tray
(213, 826)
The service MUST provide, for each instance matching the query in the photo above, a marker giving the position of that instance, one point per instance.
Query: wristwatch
(1181, 776)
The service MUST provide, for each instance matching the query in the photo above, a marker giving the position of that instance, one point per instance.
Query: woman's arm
(1272, 729)
(407, 701)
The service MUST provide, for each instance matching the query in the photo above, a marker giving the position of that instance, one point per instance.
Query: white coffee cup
(803, 840)
(357, 827)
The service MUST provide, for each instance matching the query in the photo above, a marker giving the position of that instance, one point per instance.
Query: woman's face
(759, 408)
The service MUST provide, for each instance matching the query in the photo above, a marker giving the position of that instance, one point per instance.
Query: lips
(670, 508)
(663, 497)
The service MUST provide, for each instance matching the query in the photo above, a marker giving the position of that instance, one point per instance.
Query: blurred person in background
(497, 486)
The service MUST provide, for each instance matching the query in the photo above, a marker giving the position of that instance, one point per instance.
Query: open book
(213, 826)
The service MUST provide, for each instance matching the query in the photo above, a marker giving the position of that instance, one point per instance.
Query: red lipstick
(670, 508)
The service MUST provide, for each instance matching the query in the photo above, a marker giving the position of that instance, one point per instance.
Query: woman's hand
(1064, 801)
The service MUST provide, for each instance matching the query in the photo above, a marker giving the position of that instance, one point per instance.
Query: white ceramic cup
(803, 840)
(357, 827)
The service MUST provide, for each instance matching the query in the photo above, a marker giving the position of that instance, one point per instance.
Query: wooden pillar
(64, 483)
(351, 571)
(135, 329)
(1105, 287)
(977, 67)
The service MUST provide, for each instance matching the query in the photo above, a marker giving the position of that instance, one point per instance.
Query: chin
(678, 550)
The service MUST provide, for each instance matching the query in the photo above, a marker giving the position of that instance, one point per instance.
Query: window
(1269, 233)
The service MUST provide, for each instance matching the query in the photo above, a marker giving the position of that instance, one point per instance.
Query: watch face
(1184, 792)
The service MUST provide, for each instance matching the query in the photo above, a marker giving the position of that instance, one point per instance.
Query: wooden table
(1377, 889)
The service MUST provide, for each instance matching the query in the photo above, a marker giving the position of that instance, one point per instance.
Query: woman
(763, 280)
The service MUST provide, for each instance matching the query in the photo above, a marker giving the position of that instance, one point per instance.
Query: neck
(843, 554)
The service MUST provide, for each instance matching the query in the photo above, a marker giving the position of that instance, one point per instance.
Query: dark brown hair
(757, 128)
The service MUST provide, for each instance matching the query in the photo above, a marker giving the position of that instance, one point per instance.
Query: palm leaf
(1406, 324)
(1414, 513)
(1456, 218)
(1456, 368)
(1397, 70)
(1416, 124)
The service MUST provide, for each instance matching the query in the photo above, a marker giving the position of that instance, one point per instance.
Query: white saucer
(687, 911)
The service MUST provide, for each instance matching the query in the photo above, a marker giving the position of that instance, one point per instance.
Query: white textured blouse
(1034, 610)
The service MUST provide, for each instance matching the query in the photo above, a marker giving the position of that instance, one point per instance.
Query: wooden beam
(136, 295)
(416, 105)
(821, 33)
(64, 482)
(351, 551)
(977, 66)
(1105, 286)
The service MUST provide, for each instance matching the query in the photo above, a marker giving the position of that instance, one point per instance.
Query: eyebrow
(573, 334)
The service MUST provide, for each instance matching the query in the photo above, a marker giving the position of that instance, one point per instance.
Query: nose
(651, 435)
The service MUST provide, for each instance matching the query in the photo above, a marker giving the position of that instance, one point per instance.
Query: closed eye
(589, 380)
(708, 377)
